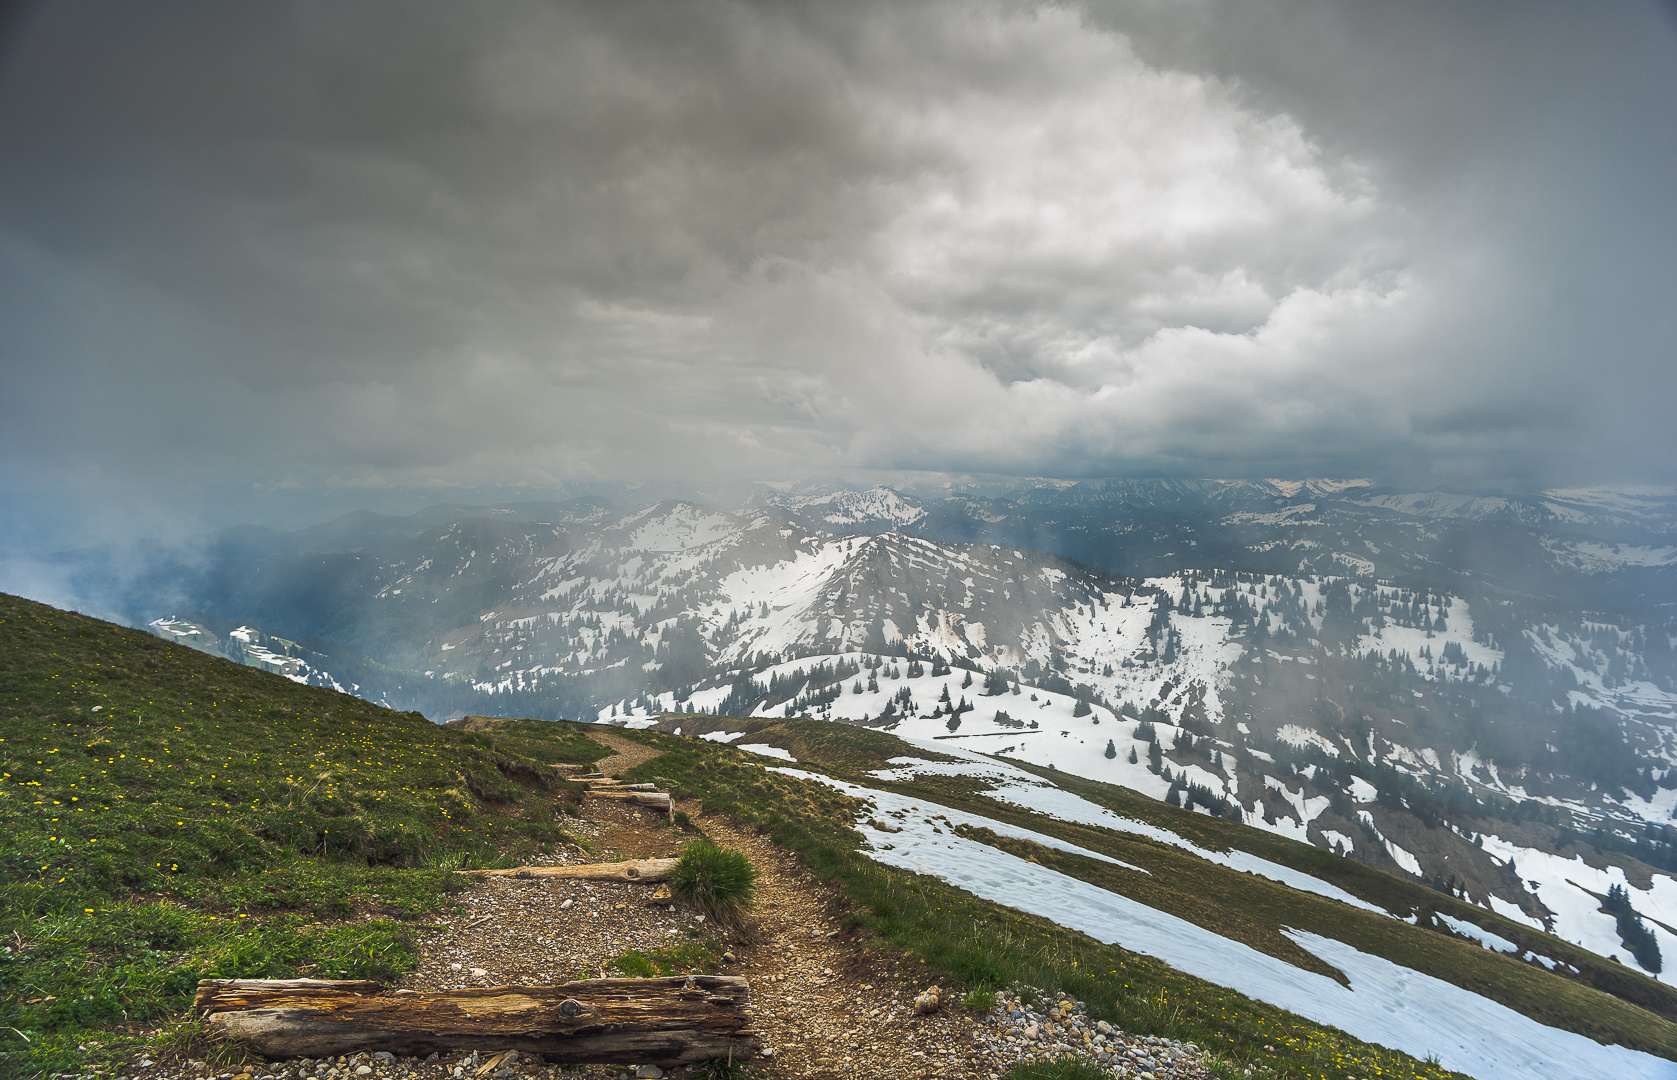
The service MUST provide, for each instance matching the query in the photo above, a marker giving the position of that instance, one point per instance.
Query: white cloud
(722, 239)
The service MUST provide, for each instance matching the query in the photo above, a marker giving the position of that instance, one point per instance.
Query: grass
(167, 816)
(1064, 1069)
(718, 881)
(720, 1069)
(692, 957)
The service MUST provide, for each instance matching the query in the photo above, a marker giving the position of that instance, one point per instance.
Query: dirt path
(625, 755)
(826, 1006)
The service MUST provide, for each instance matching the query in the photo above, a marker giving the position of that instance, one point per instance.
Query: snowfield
(1386, 1003)
(1571, 889)
(1022, 789)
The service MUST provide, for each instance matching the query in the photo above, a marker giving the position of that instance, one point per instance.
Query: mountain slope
(1183, 888)
(167, 816)
(231, 815)
(1513, 751)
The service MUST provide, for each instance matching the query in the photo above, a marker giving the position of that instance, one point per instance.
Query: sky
(262, 262)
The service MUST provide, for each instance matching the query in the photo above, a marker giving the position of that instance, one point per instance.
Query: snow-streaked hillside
(1430, 729)
(871, 510)
(1379, 1001)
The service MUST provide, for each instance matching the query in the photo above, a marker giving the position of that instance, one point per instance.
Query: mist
(273, 264)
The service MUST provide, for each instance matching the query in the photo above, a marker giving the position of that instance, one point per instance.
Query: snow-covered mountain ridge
(1459, 733)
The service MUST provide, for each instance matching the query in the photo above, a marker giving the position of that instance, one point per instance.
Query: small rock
(928, 1002)
(567, 905)
(478, 973)
(660, 897)
(363, 1070)
(728, 958)
(384, 1055)
(649, 1072)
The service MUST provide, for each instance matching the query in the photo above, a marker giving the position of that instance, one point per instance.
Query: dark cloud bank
(302, 256)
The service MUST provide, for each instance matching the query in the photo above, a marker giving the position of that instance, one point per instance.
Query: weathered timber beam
(208, 989)
(659, 799)
(634, 871)
(666, 1022)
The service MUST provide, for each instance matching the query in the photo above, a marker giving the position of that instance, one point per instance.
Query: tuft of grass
(719, 881)
(1062, 1069)
(720, 1068)
(686, 959)
(979, 999)
(188, 1036)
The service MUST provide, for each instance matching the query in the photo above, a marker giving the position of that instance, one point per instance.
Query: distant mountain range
(1475, 690)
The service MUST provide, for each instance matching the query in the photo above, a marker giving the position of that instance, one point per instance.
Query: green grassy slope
(167, 816)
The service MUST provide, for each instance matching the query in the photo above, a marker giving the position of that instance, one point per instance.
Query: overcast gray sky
(272, 253)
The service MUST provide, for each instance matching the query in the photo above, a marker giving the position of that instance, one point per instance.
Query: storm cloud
(371, 247)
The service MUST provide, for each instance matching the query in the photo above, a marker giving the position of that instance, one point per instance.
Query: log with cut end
(664, 1022)
(634, 871)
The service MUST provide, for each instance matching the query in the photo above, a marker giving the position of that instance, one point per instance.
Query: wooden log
(207, 988)
(634, 871)
(664, 1022)
(659, 799)
(618, 785)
